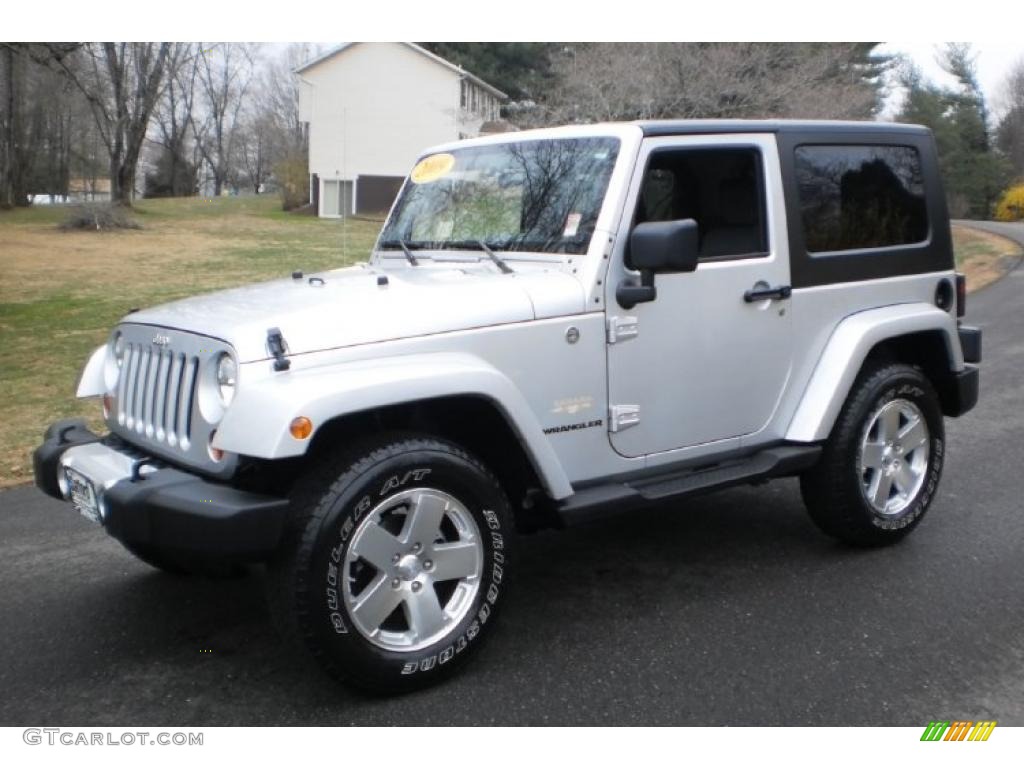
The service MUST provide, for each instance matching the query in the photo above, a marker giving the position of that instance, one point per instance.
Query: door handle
(758, 293)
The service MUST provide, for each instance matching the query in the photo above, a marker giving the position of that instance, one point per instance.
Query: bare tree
(225, 73)
(12, 161)
(122, 83)
(285, 142)
(626, 81)
(44, 124)
(255, 144)
(176, 171)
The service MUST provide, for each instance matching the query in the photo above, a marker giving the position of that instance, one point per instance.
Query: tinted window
(860, 197)
(721, 189)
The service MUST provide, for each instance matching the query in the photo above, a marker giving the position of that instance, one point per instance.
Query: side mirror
(665, 246)
(658, 246)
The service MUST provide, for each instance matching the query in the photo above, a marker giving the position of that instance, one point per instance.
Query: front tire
(394, 563)
(881, 466)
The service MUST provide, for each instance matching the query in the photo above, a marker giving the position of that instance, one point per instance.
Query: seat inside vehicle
(722, 190)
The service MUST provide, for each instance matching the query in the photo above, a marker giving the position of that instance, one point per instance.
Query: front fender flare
(845, 352)
(91, 383)
(257, 422)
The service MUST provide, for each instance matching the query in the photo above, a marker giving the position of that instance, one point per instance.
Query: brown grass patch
(982, 256)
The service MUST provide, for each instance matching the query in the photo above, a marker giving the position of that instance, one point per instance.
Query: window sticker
(572, 224)
(432, 168)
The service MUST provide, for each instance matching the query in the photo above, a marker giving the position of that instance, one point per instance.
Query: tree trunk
(121, 183)
(7, 169)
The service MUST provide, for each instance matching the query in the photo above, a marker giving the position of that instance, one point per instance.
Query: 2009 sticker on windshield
(432, 168)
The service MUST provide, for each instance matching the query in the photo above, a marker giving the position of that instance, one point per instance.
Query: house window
(463, 95)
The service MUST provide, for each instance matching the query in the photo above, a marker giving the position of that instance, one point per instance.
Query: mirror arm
(628, 293)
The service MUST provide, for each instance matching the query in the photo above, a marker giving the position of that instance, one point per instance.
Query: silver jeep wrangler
(553, 326)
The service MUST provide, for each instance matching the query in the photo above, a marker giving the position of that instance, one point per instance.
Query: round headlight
(227, 371)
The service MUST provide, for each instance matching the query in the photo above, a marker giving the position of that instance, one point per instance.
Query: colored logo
(958, 730)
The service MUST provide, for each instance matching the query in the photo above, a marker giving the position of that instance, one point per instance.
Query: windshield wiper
(405, 249)
(498, 261)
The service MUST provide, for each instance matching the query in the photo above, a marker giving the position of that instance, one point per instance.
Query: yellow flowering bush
(1011, 205)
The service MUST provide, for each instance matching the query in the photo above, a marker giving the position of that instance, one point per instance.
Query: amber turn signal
(108, 405)
(301, 428)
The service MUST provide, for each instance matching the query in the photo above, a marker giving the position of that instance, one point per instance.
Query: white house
(372, 108)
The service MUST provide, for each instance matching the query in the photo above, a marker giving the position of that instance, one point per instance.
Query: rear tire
(880, 468)
(394, 562)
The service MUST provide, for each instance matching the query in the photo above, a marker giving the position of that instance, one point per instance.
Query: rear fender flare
(845, 353)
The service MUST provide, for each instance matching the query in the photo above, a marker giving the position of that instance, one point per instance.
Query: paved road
(731, 609)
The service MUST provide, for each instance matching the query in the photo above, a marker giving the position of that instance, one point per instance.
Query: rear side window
(855, 197)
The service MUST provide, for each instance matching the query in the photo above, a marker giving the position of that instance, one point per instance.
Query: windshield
(541, 196)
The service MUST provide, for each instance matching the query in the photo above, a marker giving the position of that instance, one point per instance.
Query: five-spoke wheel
(894, 456)
(413, 569)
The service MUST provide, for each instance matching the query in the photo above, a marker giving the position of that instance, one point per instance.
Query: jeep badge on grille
(161, 341)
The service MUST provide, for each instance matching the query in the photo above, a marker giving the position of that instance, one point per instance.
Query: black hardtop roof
(847, 127)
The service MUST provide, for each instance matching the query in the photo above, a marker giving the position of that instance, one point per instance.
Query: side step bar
(606, 500)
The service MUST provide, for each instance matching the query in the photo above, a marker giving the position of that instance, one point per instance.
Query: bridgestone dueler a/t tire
(832, 490)
(305, 580)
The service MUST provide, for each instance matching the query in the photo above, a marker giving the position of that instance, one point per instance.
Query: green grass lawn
(62, 292)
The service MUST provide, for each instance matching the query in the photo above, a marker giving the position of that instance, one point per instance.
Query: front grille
(162, 403)
(156, 394)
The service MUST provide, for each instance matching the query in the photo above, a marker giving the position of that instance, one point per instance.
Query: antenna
(341, 183)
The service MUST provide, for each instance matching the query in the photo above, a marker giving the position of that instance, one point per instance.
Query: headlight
(118, 349)
(227, 371)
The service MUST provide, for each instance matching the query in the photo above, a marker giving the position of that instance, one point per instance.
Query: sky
(995, 59)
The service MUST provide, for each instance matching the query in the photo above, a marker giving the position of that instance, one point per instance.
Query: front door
(705, 363)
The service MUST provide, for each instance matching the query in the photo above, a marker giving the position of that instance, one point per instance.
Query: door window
(721, 189)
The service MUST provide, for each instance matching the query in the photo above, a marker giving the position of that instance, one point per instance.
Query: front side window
(720, 188)
(540, 196)
(854, 197)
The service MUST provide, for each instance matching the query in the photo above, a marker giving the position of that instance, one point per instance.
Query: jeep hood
(349, 306)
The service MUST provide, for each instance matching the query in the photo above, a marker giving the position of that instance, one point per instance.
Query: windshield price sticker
(432, 168)
(572, 224)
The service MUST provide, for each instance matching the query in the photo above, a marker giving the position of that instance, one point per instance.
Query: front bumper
(143, 502)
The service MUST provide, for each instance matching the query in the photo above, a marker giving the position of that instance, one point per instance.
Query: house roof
(419, 49)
